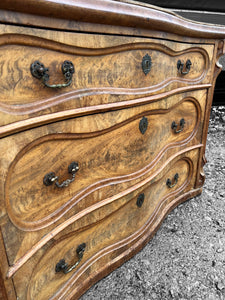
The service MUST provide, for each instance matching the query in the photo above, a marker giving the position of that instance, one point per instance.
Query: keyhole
(146, 64)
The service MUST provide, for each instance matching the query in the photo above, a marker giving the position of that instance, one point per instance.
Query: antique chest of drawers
(104, 110)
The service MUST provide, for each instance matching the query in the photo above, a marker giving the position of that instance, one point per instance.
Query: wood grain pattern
(54, 117)
(95, 121)
(220, 46)
(102, 75)
(95, 69)
(22, 242)
(98, 240)
(102, 156)
(118, 13)
(43, 23)
(119, 255)
(70, 222)
(7, 289)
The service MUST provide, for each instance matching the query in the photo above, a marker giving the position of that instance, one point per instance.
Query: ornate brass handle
(175, 179)
(51, 178)
(62, 266)
(39, 71)
(174, 126)
(181, 68)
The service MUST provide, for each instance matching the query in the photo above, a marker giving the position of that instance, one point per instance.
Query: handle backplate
(62, 266)
(175, 126)
(39, 71)
(184, 69)
(51, 177)
(175, 180)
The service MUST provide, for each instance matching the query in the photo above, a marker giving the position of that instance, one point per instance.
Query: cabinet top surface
(115, 12)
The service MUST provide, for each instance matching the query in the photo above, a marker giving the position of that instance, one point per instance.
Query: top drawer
(36, 81)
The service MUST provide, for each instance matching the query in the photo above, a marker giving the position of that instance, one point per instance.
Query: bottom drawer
(78, 259)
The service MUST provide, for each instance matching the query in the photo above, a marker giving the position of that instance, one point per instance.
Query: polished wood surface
(106, 75)
(103, 157)
(130, 133)
(118, 13)
(116, 161)
(124, 214)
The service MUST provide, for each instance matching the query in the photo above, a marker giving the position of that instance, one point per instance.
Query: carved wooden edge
(219, 51)
(109, 12)
(43, 22)
(40, 42)
(54, 216)
(129, 251)
(127, 248)
(37, 105)
(134, 236)
(58, 229)
(77, 112)
(7, 290)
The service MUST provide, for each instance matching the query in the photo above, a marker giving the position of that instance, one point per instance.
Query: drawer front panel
(119, 153)
(101, 76)
(124, 226)
(119, 67)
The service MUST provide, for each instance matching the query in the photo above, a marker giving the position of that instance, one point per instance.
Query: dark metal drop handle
(174, 126)
(62, 266)
(169, 182)
(39, 71)
(51, 178)
(184, 69)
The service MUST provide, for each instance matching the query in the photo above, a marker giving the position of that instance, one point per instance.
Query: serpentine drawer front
(104, 111)
(74, 253)
(55, 77)
(73, 164)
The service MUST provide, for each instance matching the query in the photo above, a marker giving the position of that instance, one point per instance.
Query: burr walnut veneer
(104, 110)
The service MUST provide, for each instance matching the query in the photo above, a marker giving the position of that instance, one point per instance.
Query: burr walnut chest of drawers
(104, 110)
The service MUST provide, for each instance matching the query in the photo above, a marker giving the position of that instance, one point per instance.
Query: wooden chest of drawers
(104, 110)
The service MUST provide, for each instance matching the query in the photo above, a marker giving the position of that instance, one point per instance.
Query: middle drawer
(124, 152)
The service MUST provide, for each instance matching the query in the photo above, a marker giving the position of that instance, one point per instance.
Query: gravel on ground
(186, 258)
